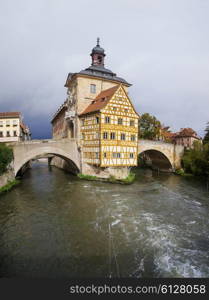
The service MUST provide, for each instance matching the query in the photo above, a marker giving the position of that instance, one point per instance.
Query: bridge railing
(140, 141)
(44, 141)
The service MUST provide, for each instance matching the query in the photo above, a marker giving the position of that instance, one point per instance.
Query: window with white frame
(93, 88)
(105, 135)
(14, 122)
(131, 122)
(120, 121)
(116, 154)
(107, 120)
(112, 135)
(133, 137)
(123, 136)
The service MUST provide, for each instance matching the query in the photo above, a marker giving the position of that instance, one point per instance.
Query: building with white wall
(12, 128)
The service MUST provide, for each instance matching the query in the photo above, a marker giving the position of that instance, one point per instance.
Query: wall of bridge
(68, 149)
(25, 151)
(172, 152)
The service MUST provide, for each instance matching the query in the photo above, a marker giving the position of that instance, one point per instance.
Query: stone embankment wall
(63, 164)
(7, 177)
(116, 172)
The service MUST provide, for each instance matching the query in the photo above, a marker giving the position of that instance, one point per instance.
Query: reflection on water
(56, 225)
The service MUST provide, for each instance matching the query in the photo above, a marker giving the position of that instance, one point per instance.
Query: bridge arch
(67, 150)
(156, 159)
(161, 151)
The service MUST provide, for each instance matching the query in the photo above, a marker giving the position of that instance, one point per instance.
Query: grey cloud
(162, 47)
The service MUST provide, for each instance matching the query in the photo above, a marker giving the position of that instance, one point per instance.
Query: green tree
(196, 160)
(149, 127)
(206, 137)
(6, 156)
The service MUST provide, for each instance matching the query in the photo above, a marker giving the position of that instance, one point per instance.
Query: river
(54, 225)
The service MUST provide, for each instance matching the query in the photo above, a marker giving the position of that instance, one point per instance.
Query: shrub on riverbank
(8, 186)
(180, 172)
(6, 156)
(196, 160)
(128, 180)
(87, 177)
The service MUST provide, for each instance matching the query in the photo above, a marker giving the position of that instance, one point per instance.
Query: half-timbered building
(109, 130)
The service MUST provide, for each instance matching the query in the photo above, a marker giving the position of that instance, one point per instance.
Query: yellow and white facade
(110, 135)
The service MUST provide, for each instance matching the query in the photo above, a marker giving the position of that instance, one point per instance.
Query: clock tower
(97, 55)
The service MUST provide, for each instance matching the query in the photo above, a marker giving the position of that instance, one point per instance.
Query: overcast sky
(160, 46)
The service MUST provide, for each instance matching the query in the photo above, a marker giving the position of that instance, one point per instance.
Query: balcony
(70, 115)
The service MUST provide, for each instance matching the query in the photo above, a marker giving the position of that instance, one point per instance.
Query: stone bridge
(28, 150)
(157, 150)
(68, 150)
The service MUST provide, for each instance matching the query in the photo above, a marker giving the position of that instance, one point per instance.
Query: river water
(56, 225)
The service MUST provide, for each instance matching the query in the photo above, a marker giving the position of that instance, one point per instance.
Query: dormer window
(93, 88)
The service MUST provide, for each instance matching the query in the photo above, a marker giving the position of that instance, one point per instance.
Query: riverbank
(7, 181)
(128, 180)
(6, 177)
(9, 186)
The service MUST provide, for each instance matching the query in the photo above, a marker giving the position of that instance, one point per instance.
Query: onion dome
(97, 49)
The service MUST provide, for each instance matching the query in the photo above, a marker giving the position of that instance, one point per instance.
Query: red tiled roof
(186, 132)
(168, 134)
(10, 114)
(101, 100)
